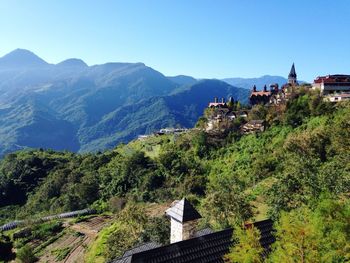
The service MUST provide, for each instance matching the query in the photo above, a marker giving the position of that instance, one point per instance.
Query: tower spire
(292, 77)
(292, 72)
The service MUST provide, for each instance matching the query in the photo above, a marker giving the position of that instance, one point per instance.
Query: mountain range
(248, 83)
(76, 107)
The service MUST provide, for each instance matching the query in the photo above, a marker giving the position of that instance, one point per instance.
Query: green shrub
(26, 255)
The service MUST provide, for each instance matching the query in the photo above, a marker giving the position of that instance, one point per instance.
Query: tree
(6, 253)
(157, 229)
(25, 254)
(297, 110)
(200, 144)
(247, 248)
(201, 123)
(125, 232)
(314, 235)
(225, 206)
(258, 112)
(297, 183)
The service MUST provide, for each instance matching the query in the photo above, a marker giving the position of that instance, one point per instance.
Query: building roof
(344, 95)
(141, 248)
(338, 78)
(254, 122)
(260, 93)
(127, 256)
(292, 73)
(217, 104)
(206, 248)
(341, 95)
(183, 211)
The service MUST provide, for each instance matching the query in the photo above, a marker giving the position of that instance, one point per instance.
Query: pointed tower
(184, 218)
(292, 77)
(231, 100)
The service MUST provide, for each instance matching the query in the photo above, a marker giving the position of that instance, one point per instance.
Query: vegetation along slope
(297, 172)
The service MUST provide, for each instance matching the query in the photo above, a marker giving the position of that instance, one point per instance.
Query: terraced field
(70, 247)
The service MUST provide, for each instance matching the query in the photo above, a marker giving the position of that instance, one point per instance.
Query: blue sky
(202, 38)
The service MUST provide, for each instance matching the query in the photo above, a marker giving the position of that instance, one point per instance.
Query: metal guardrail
(16, 223)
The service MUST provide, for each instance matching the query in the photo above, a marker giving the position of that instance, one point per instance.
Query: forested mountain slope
(72, 106)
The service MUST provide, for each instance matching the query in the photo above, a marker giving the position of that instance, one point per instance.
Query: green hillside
(296, 172)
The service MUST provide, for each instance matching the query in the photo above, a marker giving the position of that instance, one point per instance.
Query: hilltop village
(222, 115)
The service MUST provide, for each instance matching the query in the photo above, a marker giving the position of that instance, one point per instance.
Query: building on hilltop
(260, 97)
(220, 115)
(333, 87)
(275, 95)
(338, 97)
(267, 97)
(253, 126)
(222, 104)
(191, 246)
(292, 77)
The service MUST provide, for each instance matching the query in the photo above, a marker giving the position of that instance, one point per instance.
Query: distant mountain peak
(72, 62)
(20, 52)
(182, 79)
(21, 58)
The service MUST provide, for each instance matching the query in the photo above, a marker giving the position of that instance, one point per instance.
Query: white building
(332, 84)
(183, 220)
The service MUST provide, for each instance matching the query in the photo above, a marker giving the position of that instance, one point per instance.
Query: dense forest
(297, 172)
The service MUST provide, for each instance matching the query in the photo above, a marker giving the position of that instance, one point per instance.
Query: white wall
(176, 231)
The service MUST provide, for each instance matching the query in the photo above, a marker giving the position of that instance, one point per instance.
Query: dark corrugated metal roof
(141, 248)
(208, 248)
(126, 258)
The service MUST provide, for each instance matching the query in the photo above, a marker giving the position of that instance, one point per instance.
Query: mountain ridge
(21, 58)
(78, 107)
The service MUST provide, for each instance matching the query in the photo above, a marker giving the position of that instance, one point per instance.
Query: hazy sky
(202, 38)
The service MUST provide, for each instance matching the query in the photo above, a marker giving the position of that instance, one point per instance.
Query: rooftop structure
(204, 246)
(183, 218)
(260, 97)
(221, 104)
(182, 211)
(292, 77)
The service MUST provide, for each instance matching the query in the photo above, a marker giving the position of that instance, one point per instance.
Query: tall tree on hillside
(322, 235)
(248, 248)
